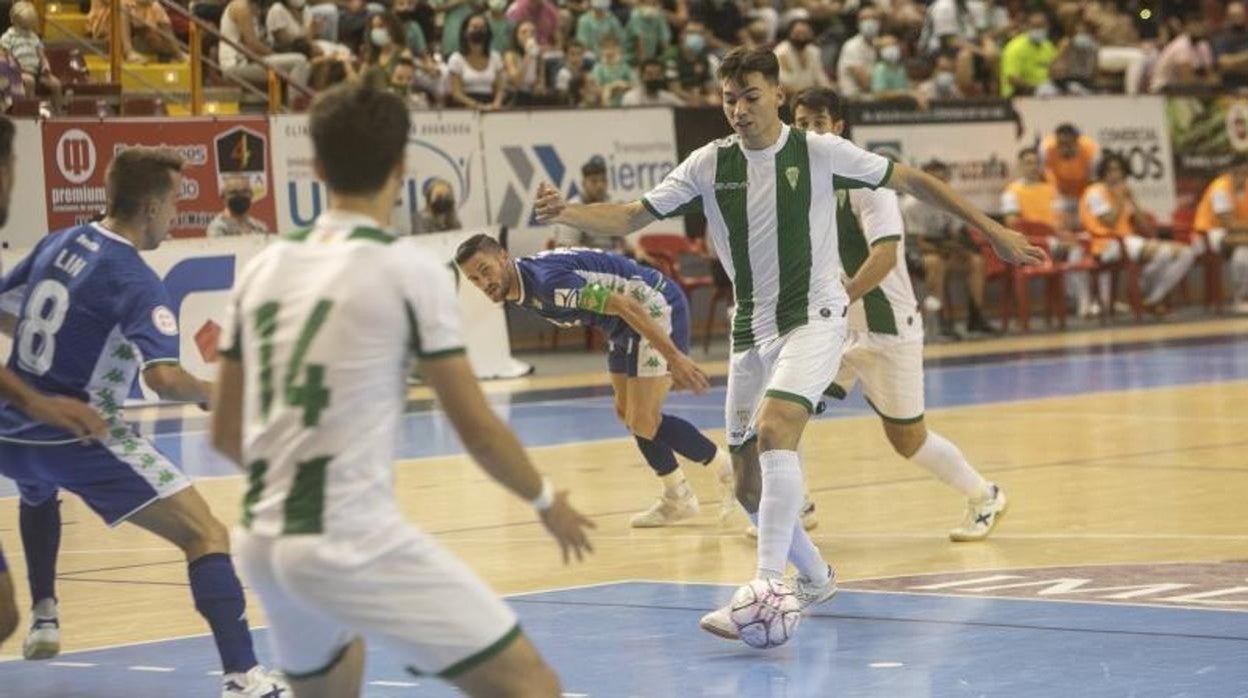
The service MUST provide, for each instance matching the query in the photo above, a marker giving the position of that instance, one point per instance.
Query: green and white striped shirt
(772, 218)
(866, 218)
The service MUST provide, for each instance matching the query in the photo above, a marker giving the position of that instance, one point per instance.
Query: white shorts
(795, 367)
(416, 598)
(891, 371)
(1133, 245)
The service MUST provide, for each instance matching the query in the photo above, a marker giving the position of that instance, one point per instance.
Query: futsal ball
(766, 613)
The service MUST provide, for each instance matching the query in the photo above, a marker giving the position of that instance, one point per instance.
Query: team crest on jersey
(567, 297)
(164, 321)
(791, 174)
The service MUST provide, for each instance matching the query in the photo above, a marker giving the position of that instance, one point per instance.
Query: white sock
(803, 554)
(778, 511)
(674, 484)
(1177, 266)
(941, 457)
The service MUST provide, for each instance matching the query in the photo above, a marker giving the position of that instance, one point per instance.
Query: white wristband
(545, 498)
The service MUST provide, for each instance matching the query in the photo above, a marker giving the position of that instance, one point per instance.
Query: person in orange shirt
(1109, 212)
(1033, 199)
(1222, 224)
(1070, 162)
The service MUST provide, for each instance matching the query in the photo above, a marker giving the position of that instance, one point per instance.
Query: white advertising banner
(28, 216)
(979, 154)
(525, 149)
(1134, 127)
(442, 144)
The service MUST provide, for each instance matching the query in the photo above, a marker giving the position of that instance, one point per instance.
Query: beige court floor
(1153, 475)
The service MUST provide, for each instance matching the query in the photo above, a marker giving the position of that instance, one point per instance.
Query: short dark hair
(935, 165)
(1067, 129)
(594, 166)
(1109, 158)
(359, 134)
(477, 243)
(6, 138)
(649, 62)
(741, 61)
(138, 175)
(820, 99)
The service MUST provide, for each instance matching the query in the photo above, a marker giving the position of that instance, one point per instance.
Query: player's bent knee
(906, 439)
(516, 672)
(644, 425)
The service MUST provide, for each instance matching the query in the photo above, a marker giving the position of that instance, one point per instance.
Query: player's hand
(1014, 248)
(74, 416)
(687, 376)
(568, 526)
(549, 205)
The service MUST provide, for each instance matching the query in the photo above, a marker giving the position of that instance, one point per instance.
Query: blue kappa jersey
(561, 284)
(91, 313)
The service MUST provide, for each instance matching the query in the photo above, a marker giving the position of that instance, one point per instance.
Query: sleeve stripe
(650, 207)
(888, 174)
(442, 353)
(886, 238)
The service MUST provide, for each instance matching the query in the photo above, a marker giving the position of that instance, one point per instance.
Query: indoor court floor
(1121, 569)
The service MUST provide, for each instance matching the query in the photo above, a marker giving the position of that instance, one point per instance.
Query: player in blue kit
(72, 415)
(91, 315)
(646, 319)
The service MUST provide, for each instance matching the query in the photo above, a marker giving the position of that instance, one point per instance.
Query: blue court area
(640, 639)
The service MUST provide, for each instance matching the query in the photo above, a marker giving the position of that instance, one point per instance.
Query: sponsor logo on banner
(443, 145)
(1133, 127)
(523, 150)
(211, 148)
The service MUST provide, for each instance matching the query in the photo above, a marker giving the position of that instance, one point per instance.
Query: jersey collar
(333, 222)
(771, 150)
(110, 234)
(524, 294)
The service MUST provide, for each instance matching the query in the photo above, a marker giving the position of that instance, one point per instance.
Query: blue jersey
(91, 314)
(564, 286)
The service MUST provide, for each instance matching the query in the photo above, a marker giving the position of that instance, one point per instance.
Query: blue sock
(658, 455)
(685, 439)
(219, 599)
(41, 538)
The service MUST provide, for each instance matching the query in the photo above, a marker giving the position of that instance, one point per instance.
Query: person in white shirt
(801, 64)
(858, 56)
(653, 88)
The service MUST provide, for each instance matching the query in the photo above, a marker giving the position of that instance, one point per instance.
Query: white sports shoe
(981, 518)
(258, 682)
(810, 594)
(667, 510)
(719, 623)
(44, 639)
(809, 520)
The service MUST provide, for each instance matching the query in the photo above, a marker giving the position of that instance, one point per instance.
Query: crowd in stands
(490, 54)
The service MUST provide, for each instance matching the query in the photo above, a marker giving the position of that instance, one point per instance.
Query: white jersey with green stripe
(772, 219)
(865, 219)
(325, 322)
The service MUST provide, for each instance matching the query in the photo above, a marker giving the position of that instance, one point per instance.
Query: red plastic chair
(1123, 268)
(1053, 273)
(1182, 223)
(995, 269)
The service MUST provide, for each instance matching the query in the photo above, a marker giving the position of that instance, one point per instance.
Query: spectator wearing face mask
(383, 48)
(689, 68)
(647, 32)
(544, 16)
(439, 214)
(653, 88)
(477, 74)
(1074, 70)
(943, 83)
(858, 56)
(1187, 61)
(1230, 47)
(888, 77)
(501, 27)
(233, 220)
(596, 24)
(801, 64)
(1026, 59)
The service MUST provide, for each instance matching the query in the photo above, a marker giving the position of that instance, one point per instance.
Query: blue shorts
(115, 478)
(628, 353)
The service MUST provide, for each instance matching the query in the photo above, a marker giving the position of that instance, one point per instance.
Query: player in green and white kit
(769, 196)
(885, 347)
(309, 398)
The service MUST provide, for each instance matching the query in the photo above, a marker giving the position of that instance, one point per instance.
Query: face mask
(380, 37)
(1038, 36)
(653, 86)
(695, 42)
(442, 205)
(945, 80)
(869, 28)
(600, 4)
(498, 5)
(1084, 41)
(891, 54)
(477, 35)
(238, 203)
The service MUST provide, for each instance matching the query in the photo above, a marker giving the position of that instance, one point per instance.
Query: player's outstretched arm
(602, 219)
(172, 382)
(500, 454)
(227, 417)
(685, 373)
(880, 261)
(74, 416)
(1010, 245)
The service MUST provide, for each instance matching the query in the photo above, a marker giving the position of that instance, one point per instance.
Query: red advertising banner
(77, 153)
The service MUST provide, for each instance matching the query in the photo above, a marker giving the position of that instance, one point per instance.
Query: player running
(73, 416)
(645, 316)
(311, 391)
(769, 195)
(93, 314)
(884, 349)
